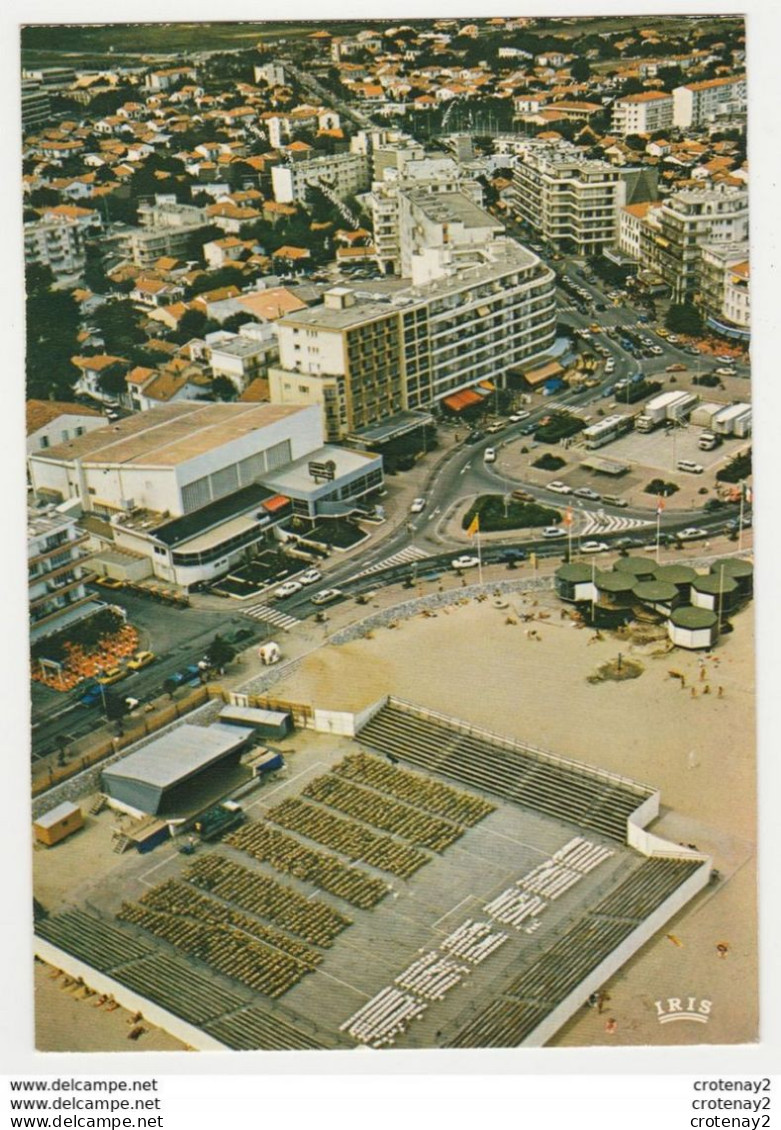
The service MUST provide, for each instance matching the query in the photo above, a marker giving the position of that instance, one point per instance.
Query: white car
(559, 487)
(593, 546)
(310, 577)
(610, 365)
(418, 504)
(288, 589)
(464, 562)
(325, 596)
(725, 371)
(553, 532)
(489, 455)
(657, 350)
(587, 492)
(518, 416)
(691, 533)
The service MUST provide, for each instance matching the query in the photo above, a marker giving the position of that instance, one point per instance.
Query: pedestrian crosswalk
(403, 557)
(597, 522)
(271, 616)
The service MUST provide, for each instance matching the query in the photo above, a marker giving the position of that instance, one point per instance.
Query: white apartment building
(363, 360)
(166, 228)
(700, 102)
(569, 200)
(341, 175)
(391, 209)
(182, 484)
(724, 291)
(630, 223)
(55, 242)
(646, 112)
(243, 356)
(56, 573)
(672, 235)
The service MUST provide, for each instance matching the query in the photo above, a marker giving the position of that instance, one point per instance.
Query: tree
(118, 323)
(580, 70)
(684, 319)
(220, 653)
(52, 318)
(191, 324)
(95, 278)
(112, 380)
(169, 686)
(223, 388)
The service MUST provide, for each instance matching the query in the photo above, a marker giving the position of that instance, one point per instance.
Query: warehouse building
(162, 777)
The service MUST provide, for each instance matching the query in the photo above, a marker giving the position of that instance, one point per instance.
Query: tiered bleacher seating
(99, 943)
(382, 812)
(347, 837)
(286, 855)
(173, 983)
(523, 776)
(507, 1020)
(260, 894)
(415, 789)
(254, 1029)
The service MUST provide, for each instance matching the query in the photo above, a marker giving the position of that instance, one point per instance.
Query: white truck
(665, 406)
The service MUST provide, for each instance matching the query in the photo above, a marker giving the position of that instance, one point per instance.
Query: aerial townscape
(390, 534)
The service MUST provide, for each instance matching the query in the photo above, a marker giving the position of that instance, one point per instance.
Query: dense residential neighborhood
(459, 307)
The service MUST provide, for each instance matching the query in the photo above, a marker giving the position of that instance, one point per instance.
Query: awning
(466, 398)
(277, 502)
(544, 373)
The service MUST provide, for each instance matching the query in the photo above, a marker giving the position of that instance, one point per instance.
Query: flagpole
(658, 531)
(479, 558)
(740, 518)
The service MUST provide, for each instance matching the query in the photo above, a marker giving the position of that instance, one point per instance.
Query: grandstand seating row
(379, 810)
(260, 894)
(286, 855)
(348, 837)
(520, 775)
(415, 789)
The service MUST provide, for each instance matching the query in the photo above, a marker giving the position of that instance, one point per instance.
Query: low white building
(340, 175)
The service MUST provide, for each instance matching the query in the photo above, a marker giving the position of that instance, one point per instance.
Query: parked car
(91, 695)
(288, 589)
(513, 554)
(587, 492)
(517, 417)
(489, 455)
(553, 532)
(558, 487)
(109, 582)
(188, 674)
(111, 675)
(725, 371)
(522, 496)
(593, 546)
(325, 596)
(614, 500)
(140, 660)
(676, 368)
(474, 437)
(418, 504)
(310, 577)
(690, 466)
(465, 561)
(691, 533)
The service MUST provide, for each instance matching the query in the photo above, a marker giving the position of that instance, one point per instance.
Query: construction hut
(178, 772)
(58, 823)
(641, 568)
(661, 596)
(268, 723)
(693, 628)
(681, 576)
(717, 591)
(740, 570)
(575, 582)
(615, 588)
